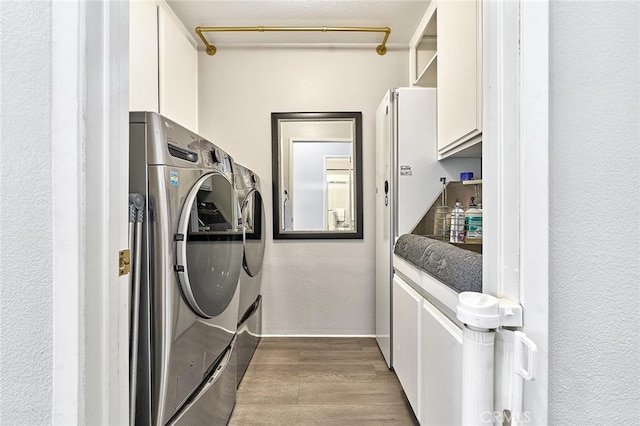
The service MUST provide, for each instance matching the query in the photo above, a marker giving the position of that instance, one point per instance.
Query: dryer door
(254, 225)
(209, 245)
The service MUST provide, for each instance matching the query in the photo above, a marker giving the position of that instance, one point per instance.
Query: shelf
(429, 75)
(456, 190)
(424, 50)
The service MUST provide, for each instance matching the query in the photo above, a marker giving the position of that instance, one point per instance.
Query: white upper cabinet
(446, 52)
(163, 64)
(459, 75)
(143, 56)
(178, 71)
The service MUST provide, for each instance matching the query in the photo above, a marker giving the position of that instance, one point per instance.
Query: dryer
(250, 309)
(192, 254)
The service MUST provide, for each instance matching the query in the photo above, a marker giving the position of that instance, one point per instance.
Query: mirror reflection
(317, 175)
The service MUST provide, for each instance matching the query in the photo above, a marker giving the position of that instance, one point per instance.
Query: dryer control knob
(215, 156)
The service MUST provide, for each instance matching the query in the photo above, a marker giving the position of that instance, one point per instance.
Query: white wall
(311, 287)
(26, 225)
(594, 312)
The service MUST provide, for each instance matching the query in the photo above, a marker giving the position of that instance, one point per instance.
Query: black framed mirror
(317, 175)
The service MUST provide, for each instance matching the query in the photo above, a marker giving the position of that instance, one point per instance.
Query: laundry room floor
(337, 381)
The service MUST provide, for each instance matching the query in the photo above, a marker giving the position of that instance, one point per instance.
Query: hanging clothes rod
(381, 49)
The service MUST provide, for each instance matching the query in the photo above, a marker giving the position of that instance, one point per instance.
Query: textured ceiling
(401, 16)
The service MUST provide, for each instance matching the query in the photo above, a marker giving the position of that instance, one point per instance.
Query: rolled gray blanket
(412, 247)
(458, 268)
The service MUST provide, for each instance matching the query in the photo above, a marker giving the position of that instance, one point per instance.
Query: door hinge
(124, 262)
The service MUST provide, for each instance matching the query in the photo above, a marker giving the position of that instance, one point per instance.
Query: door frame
(516, 173)
(516, 196)
(90, 133)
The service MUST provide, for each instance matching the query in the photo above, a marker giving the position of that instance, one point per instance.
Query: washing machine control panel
(224, 161)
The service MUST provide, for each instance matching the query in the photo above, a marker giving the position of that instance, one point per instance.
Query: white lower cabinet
(406, 340)
(427, 356)
(441, 368)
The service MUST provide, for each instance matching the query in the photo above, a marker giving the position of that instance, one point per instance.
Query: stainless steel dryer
(250, 311)
(192, 256)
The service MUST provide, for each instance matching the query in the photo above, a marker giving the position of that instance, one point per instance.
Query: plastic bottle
(441, 217)
(456, 234)
(473, 223)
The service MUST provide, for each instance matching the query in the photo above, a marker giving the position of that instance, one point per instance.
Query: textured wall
(594, 356)
(26, 354)
(310, 287)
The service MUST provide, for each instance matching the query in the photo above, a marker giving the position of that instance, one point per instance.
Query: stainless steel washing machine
(250, 310)
(192, 254)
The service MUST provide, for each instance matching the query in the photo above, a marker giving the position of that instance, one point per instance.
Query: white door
(383, 228)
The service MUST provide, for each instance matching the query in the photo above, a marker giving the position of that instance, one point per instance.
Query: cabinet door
(143, 56)
(406, 339)
(441, 369)
(459, 74)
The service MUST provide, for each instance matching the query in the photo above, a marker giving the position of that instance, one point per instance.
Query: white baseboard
(322, 335)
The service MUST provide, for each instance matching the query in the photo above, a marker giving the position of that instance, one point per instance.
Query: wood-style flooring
(332, 381)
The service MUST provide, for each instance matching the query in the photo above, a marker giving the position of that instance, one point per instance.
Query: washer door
(254, 230)
(209, 245)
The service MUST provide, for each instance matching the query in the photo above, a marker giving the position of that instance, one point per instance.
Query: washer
(191, 261)
(250, 310)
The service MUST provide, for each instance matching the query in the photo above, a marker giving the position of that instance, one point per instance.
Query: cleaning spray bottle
(473, 223)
